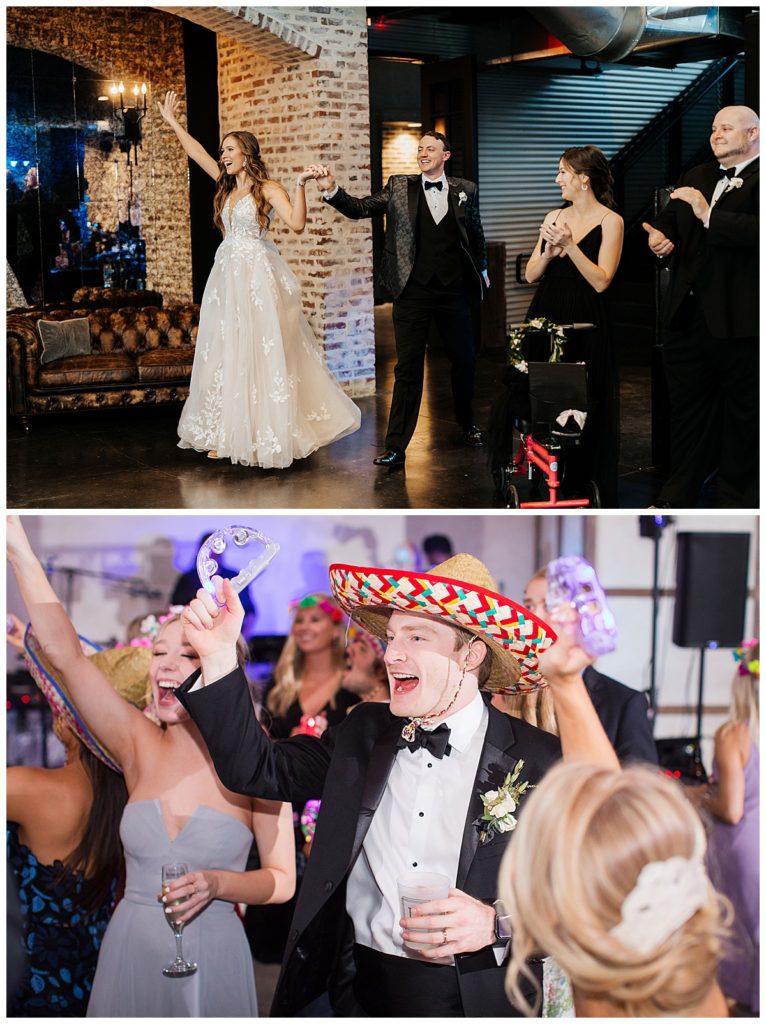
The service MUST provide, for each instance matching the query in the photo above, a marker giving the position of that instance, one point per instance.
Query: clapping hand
(659, 244)
(558, 235)
(694, 198)
(168, 107)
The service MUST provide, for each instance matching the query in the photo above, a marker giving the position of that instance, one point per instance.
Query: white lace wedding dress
(260, 392)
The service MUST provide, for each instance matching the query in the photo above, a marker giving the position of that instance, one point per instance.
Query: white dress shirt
(418, 826)
(723, 185)
(437, 199)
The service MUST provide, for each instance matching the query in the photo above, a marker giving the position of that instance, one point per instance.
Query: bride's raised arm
(116, 722)
(193, 149)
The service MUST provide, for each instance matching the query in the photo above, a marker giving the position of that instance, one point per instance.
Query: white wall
(624, 559)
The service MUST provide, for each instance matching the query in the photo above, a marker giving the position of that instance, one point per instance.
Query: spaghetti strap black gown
(565, 297)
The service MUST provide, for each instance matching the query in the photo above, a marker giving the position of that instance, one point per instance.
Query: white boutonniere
(500, 806)
(734, 183)
(463, 198)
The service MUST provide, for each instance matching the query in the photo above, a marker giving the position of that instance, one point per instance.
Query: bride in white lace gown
(260, 391)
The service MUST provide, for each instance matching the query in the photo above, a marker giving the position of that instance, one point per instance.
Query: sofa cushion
(165, 363)
(114, 368)
(64, 338)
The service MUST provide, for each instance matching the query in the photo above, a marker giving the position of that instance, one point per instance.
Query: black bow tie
(728, 172)
(436, 741)
(434, 184)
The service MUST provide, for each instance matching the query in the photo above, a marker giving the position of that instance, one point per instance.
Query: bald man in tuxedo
(709, 234)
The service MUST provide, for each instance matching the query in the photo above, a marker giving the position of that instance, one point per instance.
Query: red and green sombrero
(126, 668)
(460, 592)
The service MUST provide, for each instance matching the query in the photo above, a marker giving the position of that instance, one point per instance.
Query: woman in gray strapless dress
(178, 811)
(139, 943)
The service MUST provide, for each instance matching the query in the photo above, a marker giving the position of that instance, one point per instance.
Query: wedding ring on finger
(444, 937)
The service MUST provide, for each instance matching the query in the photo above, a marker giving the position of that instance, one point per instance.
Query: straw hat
(126, 668)
(460, 592)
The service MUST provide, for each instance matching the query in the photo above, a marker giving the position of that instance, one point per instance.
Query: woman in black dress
(303, 696)
(575, 259)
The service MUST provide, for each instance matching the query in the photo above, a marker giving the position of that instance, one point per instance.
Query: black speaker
(679, 757)
(711, 589)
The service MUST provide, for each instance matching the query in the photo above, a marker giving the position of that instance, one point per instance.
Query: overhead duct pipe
(599, 33)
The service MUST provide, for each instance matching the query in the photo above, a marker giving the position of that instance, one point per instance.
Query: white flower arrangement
(517, 335)
(500, 806)
(463, 198)
(734, 183)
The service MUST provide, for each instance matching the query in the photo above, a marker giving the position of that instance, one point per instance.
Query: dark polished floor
(129, 459)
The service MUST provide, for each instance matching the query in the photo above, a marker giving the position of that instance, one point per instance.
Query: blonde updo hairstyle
(585, 835)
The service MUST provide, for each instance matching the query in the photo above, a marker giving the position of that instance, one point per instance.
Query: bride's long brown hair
(256, 170)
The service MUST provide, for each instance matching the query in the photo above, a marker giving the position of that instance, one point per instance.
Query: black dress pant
(394, 986)
(450, 308)
(713, 391)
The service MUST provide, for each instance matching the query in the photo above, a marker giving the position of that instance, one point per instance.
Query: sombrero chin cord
(408, 729)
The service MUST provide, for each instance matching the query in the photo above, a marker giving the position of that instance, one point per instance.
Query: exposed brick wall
(297, 78)
(135, 44)
(306, 111)
(399, 149)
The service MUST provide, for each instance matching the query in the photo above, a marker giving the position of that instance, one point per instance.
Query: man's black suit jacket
(398, 200)
(623, 714)
(721, 261)
(348, 769)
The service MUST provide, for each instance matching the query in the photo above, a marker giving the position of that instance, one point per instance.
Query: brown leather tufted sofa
(139, 357)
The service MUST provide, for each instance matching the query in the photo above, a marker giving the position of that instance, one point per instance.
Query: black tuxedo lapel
(414, 187)
(494, 764)
(751, 169)
(379, 767)
(458, 209)
(746, 173)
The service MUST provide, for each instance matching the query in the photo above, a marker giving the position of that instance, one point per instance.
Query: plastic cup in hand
(180, 968)
(421, 887)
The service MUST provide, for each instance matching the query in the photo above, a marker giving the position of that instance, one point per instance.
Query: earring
(584, 188)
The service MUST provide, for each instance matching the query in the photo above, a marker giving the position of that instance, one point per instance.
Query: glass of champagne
(180, 968)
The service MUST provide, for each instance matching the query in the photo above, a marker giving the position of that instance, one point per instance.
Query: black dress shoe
(393, 457)
(472, 437)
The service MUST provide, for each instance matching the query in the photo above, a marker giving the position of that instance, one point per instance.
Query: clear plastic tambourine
(239, 537)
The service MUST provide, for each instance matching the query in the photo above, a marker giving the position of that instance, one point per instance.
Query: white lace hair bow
(666, 895)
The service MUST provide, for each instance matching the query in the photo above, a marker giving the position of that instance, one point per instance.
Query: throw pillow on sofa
(64, 338)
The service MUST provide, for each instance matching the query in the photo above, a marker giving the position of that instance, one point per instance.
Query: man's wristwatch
(503, 930)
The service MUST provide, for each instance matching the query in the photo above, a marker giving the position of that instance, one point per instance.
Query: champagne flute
(180, 968)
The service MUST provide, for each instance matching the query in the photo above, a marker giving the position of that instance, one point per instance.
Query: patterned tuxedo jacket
(398, 200)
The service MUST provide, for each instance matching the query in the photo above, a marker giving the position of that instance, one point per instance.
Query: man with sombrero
(410, 785)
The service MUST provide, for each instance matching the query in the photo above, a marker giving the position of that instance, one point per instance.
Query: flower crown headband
(323, 603)
(150, 627)
(353, 632)
(747, 666)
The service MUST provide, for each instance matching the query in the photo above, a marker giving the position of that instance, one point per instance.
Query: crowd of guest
(355, 762)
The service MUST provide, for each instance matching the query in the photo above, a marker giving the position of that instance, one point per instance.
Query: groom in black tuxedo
(397, 798)
(709, 231)
(435, 268)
